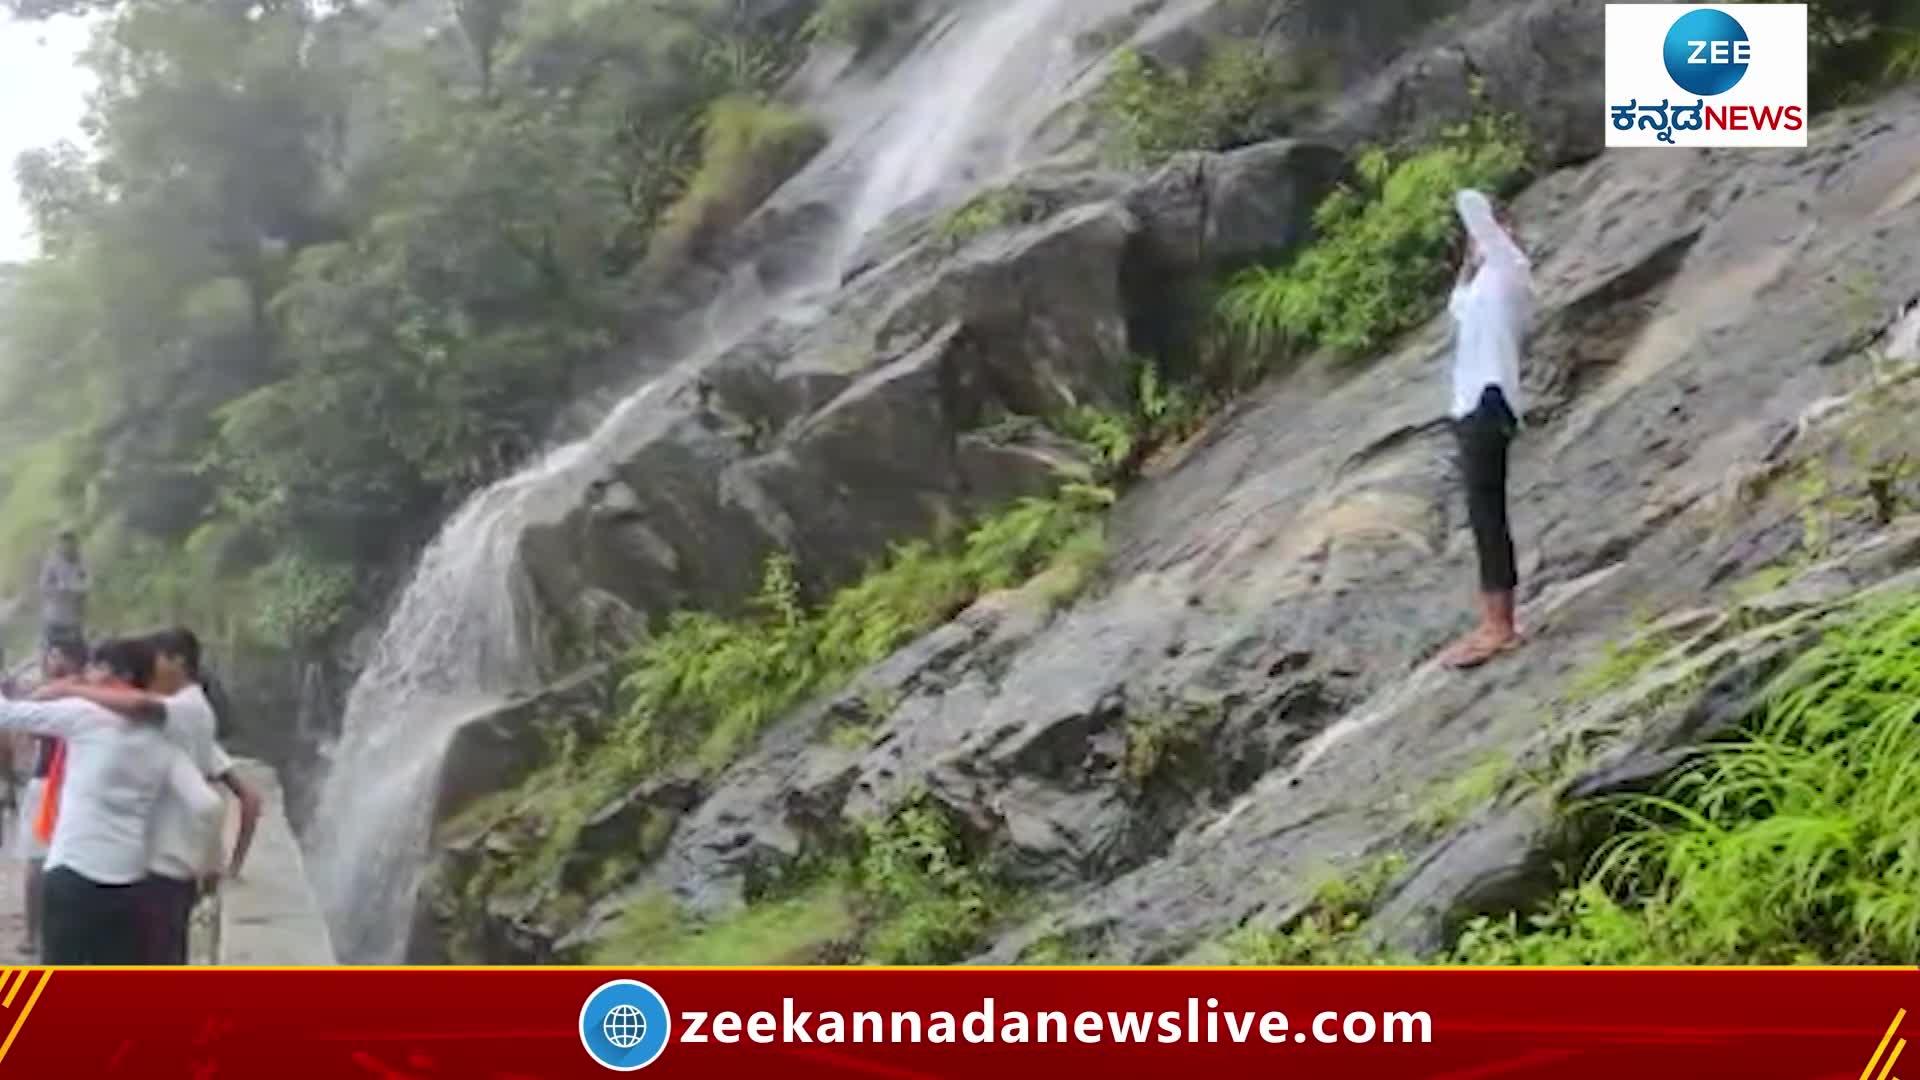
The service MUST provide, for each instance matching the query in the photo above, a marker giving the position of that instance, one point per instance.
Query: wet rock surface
(1246, 700)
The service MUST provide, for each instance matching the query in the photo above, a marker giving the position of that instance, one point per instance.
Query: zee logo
(1707, 52)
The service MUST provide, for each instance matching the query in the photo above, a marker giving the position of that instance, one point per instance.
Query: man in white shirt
(114, 772)
(184, 852)
(1490, 308)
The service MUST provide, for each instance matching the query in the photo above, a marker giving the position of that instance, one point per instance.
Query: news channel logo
(624, 1025)
(1725, 75)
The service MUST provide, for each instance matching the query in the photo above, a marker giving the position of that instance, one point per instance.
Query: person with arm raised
(185, 859)
(107, 777)
(1490, 307)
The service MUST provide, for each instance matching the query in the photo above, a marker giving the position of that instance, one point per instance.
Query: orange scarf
(50, 794)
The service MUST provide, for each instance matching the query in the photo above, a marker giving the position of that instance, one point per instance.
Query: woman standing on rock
(1491, 305)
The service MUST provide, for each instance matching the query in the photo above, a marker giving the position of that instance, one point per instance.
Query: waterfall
(455, 646)
(951, 117)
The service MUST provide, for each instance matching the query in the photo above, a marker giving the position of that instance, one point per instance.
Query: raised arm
(61, 719)
(1492, 241)
(133, 704)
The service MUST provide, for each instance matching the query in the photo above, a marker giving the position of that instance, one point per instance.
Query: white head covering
(1492, 241)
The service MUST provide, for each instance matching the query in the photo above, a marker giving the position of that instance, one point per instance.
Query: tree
(483, 22)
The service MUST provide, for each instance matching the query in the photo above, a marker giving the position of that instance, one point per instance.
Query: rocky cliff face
(1245, 701)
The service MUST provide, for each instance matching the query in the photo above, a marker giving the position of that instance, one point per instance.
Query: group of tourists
(121, 820)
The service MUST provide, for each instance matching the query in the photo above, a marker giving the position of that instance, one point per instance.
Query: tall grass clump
(1797, 841)
(1379, 264)
(749, 146)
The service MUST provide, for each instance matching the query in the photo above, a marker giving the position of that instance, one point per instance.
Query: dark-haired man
(104, 782)
(185, 856)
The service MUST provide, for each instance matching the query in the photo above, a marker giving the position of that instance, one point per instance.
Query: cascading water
(953, 116)
(455, 646)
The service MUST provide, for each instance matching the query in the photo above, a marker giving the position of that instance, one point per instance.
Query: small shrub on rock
(1237, 96)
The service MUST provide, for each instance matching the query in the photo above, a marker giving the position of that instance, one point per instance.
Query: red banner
(430, 1024)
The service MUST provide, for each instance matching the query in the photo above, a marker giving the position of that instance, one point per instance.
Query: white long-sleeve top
(184, 842)
(1490, 311)
(116, 772)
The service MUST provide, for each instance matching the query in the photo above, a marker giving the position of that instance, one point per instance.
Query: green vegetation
(932, 903)
(803, 928)
(1860, 46)
(749, 147)
(1166, 745)
(705, 686)
(859, 23)
(984, 213)
(1789, 843)
(1380, 262)
(1328, 933)
(1055, 951)
(306, 289)
(1619, 665)
(1465, 793)
(702, 689)
(1236, 96)
(909, 893)
(1162, 414)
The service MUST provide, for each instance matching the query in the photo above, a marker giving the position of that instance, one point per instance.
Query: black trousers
(85, 922)
(1485, 435)
(166, 912)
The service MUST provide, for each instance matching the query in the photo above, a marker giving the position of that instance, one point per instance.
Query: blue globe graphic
(1705, 78)
(624, 1027)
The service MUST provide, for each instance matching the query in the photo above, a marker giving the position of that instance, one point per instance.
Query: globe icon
(624, 1027)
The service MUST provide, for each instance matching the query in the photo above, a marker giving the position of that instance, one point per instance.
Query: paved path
(269, 918)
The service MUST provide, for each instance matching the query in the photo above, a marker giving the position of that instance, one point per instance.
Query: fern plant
(706, 685)
(1378, 265)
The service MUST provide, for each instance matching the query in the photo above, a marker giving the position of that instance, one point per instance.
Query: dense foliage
(1382, 255)
(1857, 46)
(318, 275)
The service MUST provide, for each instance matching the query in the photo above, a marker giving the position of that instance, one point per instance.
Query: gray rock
(1211, 211)
(498, 749)
(1297, 569)
(1247, 702)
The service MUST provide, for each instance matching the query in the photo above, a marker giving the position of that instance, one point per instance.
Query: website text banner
(440, 1024)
